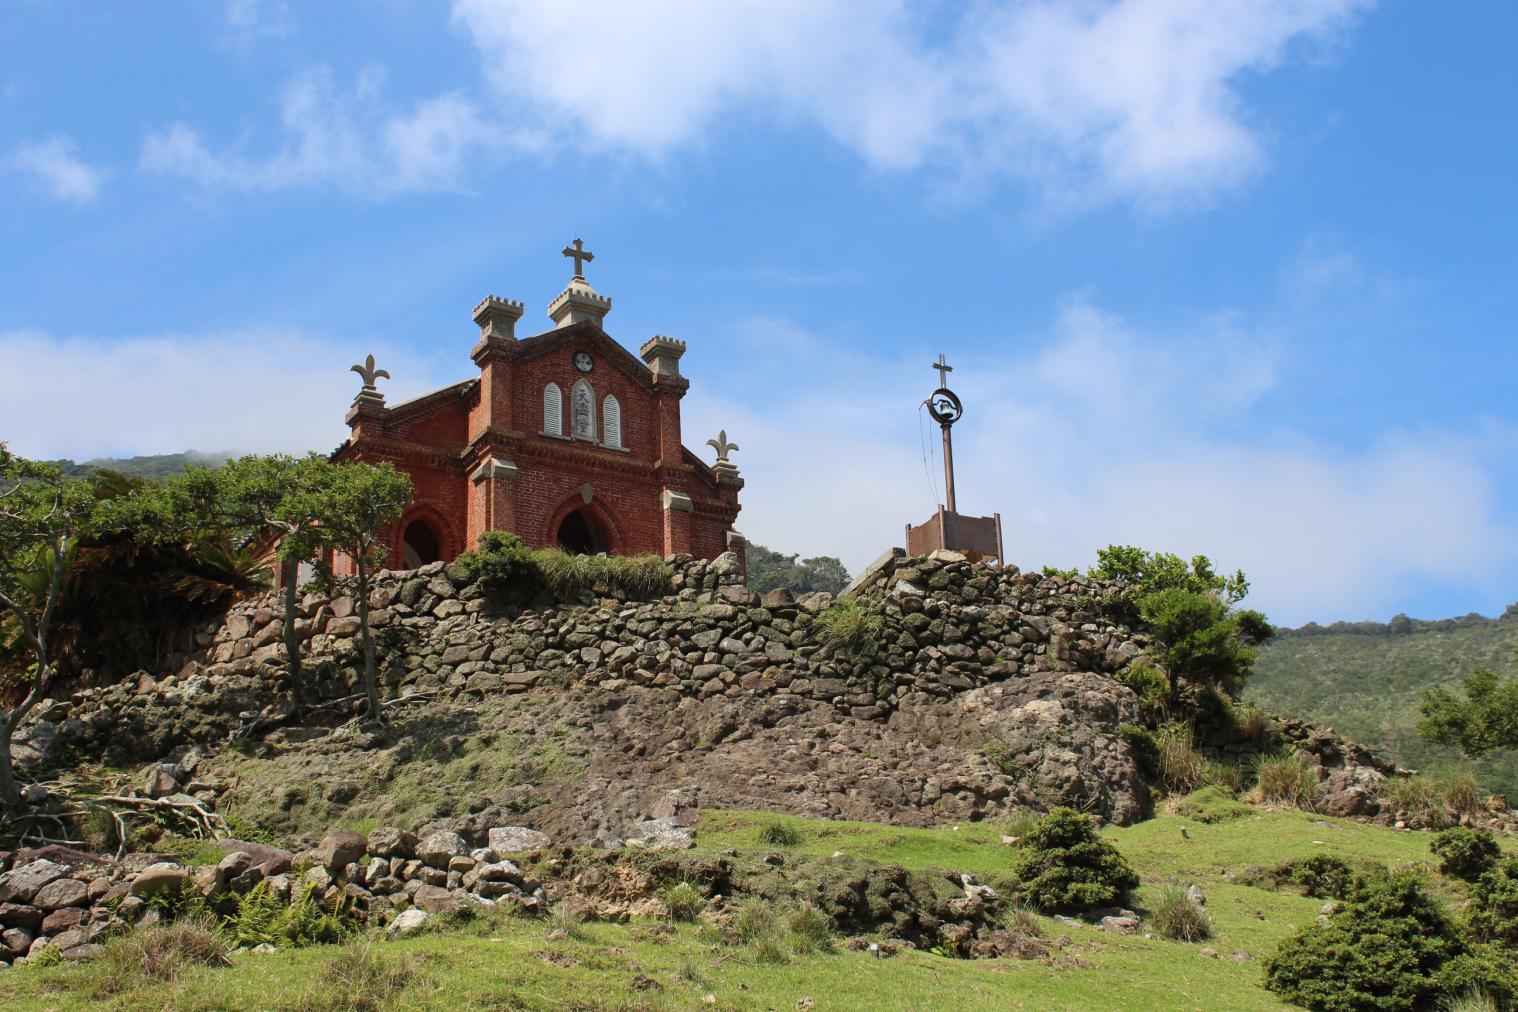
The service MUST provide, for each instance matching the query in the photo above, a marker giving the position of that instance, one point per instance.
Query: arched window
(553, 410)
(582, 411)
(611, 422)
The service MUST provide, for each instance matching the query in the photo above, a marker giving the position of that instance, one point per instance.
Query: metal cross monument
(581, 256)
(944, 368)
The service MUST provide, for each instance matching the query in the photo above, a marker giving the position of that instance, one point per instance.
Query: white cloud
(54, 166)
(252, 390)
(1098, 433)
(1086, 100)
(246, 21)
(349, 140)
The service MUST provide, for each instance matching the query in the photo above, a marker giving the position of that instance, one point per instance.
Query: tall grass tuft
(358, 979)
(683, 900)
(1180, 918)
(1287, 778)
(1182, 768)
(161, 952)
(1418, 799)
(778, 834)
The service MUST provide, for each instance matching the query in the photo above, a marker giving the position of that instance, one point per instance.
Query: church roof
(431, 399)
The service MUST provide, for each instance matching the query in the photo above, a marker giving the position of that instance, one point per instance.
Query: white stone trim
(493, 467)
(669, 499)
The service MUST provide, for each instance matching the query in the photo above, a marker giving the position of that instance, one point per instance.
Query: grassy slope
(511, 964)
(1369, 687)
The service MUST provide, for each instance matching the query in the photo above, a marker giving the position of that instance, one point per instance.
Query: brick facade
(481, 456)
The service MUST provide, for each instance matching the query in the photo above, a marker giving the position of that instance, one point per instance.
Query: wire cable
(927, 451)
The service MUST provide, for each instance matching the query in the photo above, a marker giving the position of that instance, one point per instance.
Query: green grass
(509, 963)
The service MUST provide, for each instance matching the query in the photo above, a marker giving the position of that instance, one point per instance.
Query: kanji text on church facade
(565, 438)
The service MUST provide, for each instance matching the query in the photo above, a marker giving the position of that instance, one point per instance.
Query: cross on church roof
(581, 256)
(944, 368)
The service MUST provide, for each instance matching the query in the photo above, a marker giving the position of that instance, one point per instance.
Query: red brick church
(565, 438)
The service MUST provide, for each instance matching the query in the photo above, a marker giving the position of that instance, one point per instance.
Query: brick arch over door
(449, 542)
(611, 530)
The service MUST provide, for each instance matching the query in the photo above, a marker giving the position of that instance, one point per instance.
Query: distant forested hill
(1367, 680)
(155, 467)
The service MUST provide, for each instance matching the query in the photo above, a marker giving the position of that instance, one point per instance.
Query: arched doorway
(419, 545)
(580, 534)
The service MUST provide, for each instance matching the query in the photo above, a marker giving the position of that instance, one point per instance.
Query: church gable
(566, 437)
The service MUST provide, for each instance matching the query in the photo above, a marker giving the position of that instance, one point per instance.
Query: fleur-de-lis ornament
(369, 373)
(722, 446)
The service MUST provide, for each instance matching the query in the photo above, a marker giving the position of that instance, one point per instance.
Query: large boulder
(19, 885)
(159, 878)
(408, 922)
(441, 847)
(340, 848)
(63, 892)
(387, 841)
(517, 839)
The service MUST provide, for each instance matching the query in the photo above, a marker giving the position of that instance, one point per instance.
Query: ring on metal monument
(944, 406)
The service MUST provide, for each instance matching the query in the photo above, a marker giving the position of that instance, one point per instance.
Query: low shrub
(1182, 767)
(1211, 804)
(1252, 724)
(778, 834)
(1493, 913)
(848, 626)
(1321, 875)
(161, 952)
(1152, 689)
(504, 564)
(811, 930)
(1180, 918)
(683, 900)
(775, 932)
(1383, 948)
(1287, 778)
(1143, 748)
(1063, 866)
(1466, 853)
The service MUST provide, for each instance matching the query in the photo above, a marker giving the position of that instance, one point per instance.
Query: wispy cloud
(1128, 99)
(1097, 431)
(251, 389)
(53, 166)
(345, 139)
(247, 21)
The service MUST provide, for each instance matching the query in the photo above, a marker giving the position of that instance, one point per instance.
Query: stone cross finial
(944, 368)
(581, 256)
(723, 448)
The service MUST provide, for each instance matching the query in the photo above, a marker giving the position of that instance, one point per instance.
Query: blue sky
(1223, 277)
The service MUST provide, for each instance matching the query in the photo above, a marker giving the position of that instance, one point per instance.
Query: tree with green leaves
(768, 570)
(43, 517)
(355, 504)
(274, 495)
(1204, 638)
(1485, 720)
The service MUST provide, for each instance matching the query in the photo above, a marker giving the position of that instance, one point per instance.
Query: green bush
(1466, 853)
(1420, 800)
(1382, 949)
(1180, 918)
(1211, 804)
(848, 626)
(501, 562)
(1151, 688)
(1063, 866)
(1493, 915)
(1321, 875)
(504, 564)
(1143, 748)
(1227, 775)
(1287, 778)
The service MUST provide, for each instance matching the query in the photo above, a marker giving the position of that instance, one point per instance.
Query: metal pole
(948, 469)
